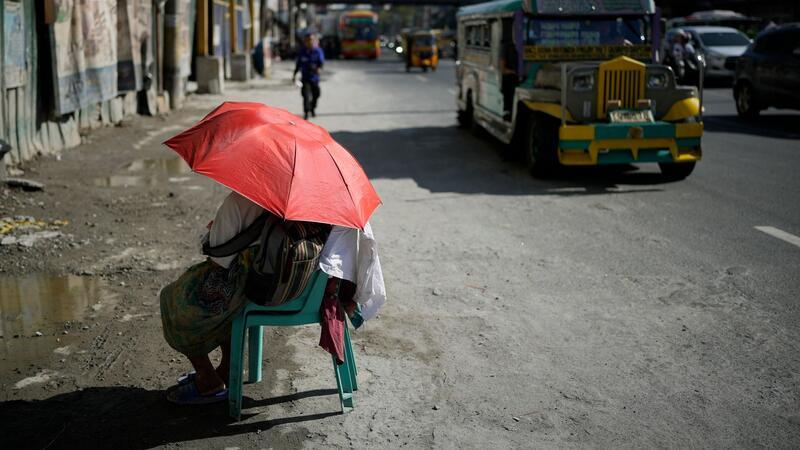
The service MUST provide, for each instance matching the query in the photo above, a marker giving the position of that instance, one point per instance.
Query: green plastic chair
(303, 310)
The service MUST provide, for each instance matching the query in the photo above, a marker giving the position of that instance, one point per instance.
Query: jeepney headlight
(583, 82)
(657, 80)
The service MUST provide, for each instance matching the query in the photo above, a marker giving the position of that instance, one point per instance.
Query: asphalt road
(634, 310)
(603, 308)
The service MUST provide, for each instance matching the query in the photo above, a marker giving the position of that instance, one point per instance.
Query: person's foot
(222, 372)
(208, 382)
(313, 113)
(305, 115)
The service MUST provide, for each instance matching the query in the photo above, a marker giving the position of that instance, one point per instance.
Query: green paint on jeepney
(623, 156)
(495, 7)
(530, 77)
(562, 8)
(621, 130)
(607, 131)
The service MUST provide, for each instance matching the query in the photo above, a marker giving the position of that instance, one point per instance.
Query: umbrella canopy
(285, 164)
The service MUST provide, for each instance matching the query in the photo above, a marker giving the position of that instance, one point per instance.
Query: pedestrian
(310, 60)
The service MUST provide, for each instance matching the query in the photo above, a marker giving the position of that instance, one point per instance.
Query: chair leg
(235, 374)
(350, 359)
(255, 341)
(344, 386)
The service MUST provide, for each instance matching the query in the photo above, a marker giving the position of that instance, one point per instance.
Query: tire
(676, 171)
(424, 68)
(433, 68)
(408, 68)
(746, 104)
(540, 152)
(464, 117)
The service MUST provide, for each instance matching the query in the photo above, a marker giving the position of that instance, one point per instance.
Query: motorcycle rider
(682, 53)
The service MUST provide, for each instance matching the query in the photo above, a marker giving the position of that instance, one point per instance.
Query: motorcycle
(689, 68)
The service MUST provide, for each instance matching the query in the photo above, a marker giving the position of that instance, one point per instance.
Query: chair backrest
(308, 302)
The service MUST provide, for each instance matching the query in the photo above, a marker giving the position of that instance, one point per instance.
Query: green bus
(573, 83)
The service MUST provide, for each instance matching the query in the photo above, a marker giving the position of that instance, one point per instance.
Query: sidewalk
(122, 217)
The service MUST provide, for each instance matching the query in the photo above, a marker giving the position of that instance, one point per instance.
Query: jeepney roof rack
(560, 7)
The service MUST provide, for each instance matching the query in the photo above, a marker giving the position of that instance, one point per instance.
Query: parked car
(716, 44)
(768, 73)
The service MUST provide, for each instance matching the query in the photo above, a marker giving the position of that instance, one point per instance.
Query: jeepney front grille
(620, 79)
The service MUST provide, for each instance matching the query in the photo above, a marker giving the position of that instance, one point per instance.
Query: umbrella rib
(294, 167)
(341, 175)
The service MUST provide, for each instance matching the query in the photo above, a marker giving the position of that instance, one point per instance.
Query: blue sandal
(187, 394)
(187, 378)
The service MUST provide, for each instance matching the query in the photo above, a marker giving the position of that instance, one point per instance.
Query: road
(603, 308)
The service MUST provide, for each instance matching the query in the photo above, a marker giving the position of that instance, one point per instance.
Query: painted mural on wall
(14, 37)
(84, 41)
(133, 32)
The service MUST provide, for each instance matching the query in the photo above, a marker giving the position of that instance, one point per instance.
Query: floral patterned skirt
(198, 308)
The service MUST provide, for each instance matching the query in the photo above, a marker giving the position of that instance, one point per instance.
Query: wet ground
(604, 308)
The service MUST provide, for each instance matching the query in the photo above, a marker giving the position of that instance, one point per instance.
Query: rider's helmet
(681, 35)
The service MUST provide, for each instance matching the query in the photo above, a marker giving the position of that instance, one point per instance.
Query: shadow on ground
(448, 159)
(781, 126)
(130, 417)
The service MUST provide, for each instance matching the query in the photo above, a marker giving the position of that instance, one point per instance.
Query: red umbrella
(283, 163)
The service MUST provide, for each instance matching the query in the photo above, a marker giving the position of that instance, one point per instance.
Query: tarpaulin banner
(134, 19)
(84, 43)
(14, 64)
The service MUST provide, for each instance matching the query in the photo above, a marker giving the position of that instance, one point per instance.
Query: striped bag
(287, 255)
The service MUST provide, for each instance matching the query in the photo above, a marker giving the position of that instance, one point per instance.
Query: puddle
(42, 303)
(126, 180)
(148, 172)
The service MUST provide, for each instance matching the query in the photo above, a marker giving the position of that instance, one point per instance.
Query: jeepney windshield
(557, 32)
(423, 41)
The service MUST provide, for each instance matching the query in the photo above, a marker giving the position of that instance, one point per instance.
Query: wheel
(746, 104)
(676, 171)
(433, 68)
(408, 68)
(465, 116)
(424, 68)
(541, 146)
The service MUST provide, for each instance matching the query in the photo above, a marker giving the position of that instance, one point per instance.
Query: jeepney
(583, 89)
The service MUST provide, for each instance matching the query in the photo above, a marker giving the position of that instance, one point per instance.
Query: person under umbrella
(271, 154)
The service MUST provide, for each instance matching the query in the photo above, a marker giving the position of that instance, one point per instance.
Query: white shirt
(234, 215)
(352, 255)
(349, 254)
